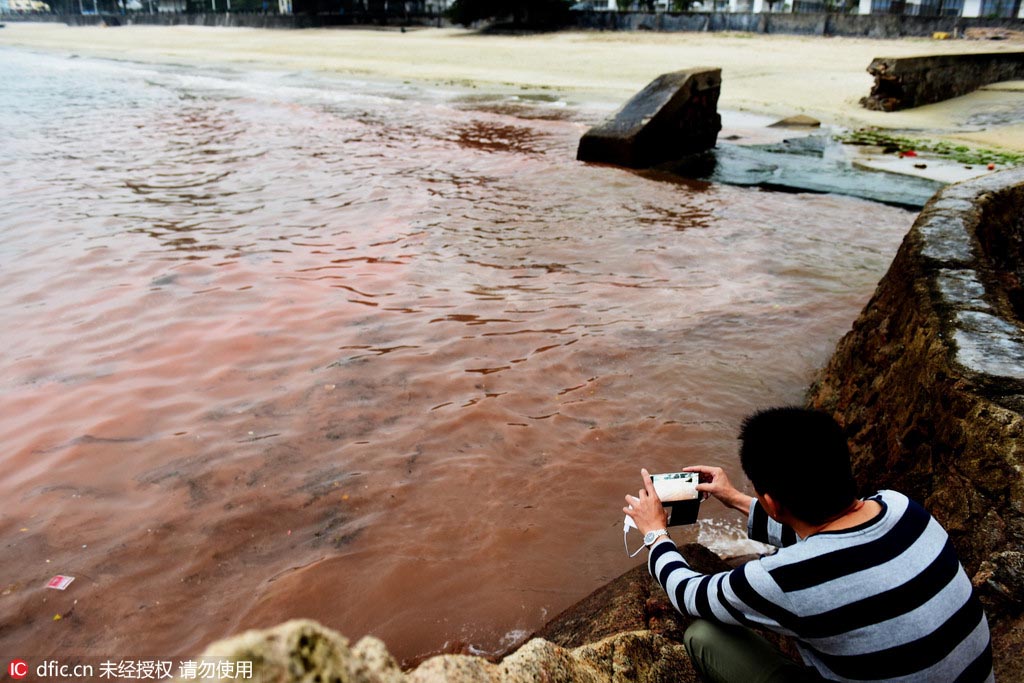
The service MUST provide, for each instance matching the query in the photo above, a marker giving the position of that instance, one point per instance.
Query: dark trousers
(733, 654)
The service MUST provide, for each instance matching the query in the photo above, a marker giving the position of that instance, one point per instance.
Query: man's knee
(700, 640)
(734, 653)
(698, 635)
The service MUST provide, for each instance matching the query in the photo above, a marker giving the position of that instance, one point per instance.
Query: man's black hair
(800, 457)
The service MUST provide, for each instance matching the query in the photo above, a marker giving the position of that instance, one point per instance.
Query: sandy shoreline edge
(774, 75)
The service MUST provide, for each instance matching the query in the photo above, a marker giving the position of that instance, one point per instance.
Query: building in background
(1003, 9)
(26, 7)
(371, 11)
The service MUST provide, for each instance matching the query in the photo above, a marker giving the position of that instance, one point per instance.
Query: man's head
(800, 458)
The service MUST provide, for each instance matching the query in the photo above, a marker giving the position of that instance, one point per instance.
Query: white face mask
(625, 542)
(626, 526)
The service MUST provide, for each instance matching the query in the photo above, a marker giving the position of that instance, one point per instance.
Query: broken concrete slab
(816, 163)
(676, 115)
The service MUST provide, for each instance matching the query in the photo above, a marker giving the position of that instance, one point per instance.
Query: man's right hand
(715, 481)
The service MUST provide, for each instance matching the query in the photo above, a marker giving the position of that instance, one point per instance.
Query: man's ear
(772, 506)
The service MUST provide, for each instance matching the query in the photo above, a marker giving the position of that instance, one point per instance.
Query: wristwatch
(651, 536)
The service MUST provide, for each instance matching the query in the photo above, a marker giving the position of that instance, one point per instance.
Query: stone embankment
(905, 82)
(929, 386)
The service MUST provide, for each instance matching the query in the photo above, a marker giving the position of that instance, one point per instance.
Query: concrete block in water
(674, 116)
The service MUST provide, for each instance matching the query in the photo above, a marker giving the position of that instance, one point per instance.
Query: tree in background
(520, 13)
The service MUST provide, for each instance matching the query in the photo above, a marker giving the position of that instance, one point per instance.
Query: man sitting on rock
(871, 589)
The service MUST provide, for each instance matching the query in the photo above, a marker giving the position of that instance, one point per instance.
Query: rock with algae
(303, 651)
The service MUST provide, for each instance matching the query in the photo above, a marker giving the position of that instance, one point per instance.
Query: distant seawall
(905, 82)
(818, 24)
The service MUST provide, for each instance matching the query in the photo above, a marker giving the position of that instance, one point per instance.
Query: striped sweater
(884, 601)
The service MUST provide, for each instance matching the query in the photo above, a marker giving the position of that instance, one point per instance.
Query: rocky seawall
(929, 385)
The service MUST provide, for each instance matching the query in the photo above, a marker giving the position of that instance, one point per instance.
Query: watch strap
(652, 536)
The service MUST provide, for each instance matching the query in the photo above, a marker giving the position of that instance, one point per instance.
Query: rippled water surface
(283, 344)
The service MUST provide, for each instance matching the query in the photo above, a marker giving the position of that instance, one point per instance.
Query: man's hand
(715, 481)
(646, 511)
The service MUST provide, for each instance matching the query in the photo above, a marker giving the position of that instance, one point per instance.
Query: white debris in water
(515, 637)
(510, 641)
(728, 538)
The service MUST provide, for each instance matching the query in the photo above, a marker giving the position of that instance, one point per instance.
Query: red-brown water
(281, 345)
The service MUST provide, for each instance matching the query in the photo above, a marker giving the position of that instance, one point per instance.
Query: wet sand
(775, 75)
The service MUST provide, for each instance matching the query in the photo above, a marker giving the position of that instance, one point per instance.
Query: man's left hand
(646, 510)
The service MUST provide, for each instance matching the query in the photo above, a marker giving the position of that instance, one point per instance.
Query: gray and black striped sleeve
(744, 596)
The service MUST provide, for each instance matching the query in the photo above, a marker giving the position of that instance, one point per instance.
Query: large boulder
(929, 385)
(303, 651)
(675, 116)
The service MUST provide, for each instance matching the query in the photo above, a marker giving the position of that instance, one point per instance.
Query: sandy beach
(765, 74)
